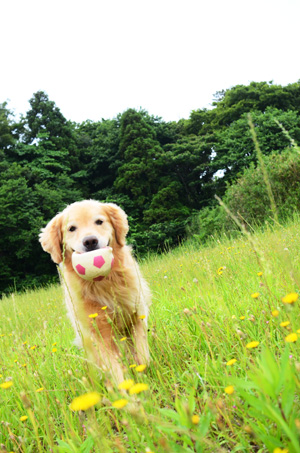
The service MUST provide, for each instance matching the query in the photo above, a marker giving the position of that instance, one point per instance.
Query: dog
(121, 300)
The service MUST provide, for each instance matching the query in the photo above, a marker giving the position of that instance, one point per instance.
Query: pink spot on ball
(99, 261)
(80, 269)
(112, 262)
(98, 279)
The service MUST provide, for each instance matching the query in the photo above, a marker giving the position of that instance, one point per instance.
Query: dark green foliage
(140, 153)
(160, 173)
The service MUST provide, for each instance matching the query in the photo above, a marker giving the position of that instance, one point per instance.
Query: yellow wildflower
(259, 274)
(123, 339)
(119, 404)
(229, 390)
(125, 385)
(255, 295)
(195, 419)
(33, 347)
(291, 338)
(84, 402)
(242, 317)
(138, 388)
(104, 308)
(6, 385)
(40, 389)
(54, 344)
(275, 313)
(285, 323)
(141, 368)
(231, 362)
(252, 344)
(93, 315)
(142, 316)
(280, 450)
(54, 349)
(290, 298)
(23, 418)
(298, 331)
(132, 366)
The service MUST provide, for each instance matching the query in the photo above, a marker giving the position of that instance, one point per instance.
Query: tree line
(161, 173)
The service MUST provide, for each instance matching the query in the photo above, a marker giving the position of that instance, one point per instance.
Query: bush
(248, 198)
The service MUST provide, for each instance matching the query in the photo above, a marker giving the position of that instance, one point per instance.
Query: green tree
(6, 130)
(234, 147)
(141, 156)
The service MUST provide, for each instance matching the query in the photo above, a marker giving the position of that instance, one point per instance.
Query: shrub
(248, 199)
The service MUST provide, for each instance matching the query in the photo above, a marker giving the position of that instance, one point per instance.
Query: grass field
(225, 370)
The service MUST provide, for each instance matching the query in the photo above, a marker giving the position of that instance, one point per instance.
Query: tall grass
(208, 305)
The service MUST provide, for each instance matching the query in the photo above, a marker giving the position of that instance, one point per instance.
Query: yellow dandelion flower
(24, 365)
(275, 313)
(132, 366)
(119, 404)
(138, 388)
(229, 390)
(242, 317)
(195, 419)
(1, 375)
(33, 347)
(23, 418)
(125, 385)
(84, 402)
(39, 390)
(142, 317)
(93, 315)
(6, 385)
(104, 308)
(252, 344)
(24, 343)
(290, 298)
(54, 344)
(231, 362)
(284, 323)
(140, 368)
(15, 360)
(298, 331)
(291, 338)
(123, 339)
(255, 295)
(54, 350)
(280, 450)
(259, 274)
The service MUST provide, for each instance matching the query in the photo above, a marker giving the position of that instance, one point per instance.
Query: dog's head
(82, 227)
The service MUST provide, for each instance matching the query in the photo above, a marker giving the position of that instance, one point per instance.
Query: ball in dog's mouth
(94, 265)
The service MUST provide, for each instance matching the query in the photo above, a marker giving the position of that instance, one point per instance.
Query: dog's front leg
(103, 348)
(140, 341)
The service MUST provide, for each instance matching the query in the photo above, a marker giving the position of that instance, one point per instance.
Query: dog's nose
(90, 243)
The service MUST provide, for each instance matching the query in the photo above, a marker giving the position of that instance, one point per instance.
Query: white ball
(94, 265)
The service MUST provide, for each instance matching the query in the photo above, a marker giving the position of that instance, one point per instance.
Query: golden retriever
(84, 226)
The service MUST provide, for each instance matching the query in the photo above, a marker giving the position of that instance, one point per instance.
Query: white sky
(96, 58)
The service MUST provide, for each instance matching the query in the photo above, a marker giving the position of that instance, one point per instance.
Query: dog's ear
(51, 238)
(119, 221)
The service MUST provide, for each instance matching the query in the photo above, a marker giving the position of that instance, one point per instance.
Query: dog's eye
(99, 222)
(72, 228)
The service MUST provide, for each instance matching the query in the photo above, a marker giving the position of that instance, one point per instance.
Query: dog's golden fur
(124, 291)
